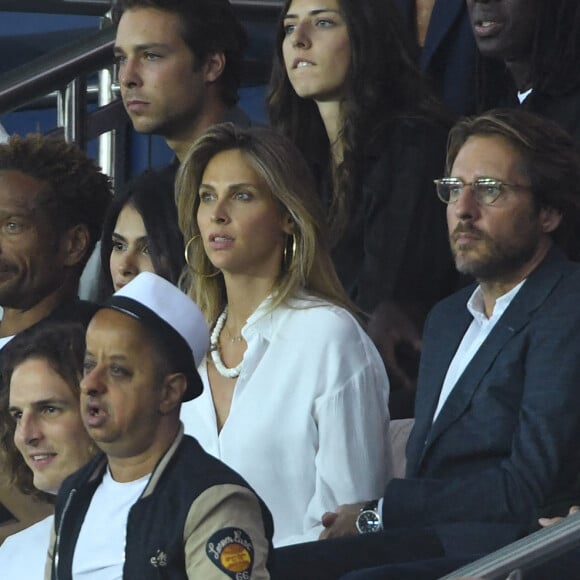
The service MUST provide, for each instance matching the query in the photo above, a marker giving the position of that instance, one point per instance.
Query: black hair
(385, 83)
(207, 27)
(76, 191)
(554, 56)
(152, 195)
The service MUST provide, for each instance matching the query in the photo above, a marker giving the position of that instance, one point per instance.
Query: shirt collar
(476, 306)
(523, 95)
(261, 321)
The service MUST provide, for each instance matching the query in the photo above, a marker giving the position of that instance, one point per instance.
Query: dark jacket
(506, 441)
(395, 247)
(449, 57)
(181, 490)
(562, 109)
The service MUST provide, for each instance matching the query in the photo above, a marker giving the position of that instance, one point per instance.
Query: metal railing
(101, 7)
(49, 72)
(63, 74)
(52, 71)
(77, 7)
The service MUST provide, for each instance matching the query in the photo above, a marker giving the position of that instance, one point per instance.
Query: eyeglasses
(485, 189)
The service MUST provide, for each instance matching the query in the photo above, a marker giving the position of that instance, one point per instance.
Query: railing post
(106, 140)
(60, 105)
(75, 111)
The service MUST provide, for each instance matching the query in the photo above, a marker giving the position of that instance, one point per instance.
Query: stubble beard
(491, 261)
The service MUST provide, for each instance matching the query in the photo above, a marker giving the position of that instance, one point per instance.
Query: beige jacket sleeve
(224, 536)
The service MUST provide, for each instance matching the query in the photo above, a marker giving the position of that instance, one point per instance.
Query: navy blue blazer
(506, 441)
(450, 54)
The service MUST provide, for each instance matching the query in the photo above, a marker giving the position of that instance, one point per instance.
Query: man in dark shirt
(530, 53)
(498, 409)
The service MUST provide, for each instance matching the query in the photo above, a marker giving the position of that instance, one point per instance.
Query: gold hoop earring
(216, 273)
(289, 260)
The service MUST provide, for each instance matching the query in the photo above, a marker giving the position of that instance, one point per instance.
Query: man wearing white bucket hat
(153, 504)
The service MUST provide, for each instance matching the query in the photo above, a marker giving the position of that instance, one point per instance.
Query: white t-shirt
(308, 423)
(100, 549)
(23, 555)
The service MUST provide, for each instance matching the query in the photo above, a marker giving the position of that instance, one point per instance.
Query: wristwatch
(369, 519)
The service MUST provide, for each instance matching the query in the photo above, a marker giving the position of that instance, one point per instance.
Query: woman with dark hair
(140, 233)
(346, 90)
(42, 435)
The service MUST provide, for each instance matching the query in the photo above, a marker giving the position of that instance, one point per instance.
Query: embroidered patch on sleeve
(232, 551)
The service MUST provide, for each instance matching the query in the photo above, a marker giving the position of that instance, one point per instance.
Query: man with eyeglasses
(497, 415)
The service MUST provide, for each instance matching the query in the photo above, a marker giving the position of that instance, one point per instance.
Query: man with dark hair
(497, 414)
(530, 50)
(179, 66)
(53, 200)
(52, 203)
(153, 504)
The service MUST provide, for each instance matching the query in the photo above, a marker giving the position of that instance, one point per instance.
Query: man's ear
(75, 244)
(173, 389)
(550, 219)
(214, 66)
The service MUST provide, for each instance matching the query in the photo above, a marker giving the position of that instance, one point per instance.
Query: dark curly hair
(76, 191)
(62, 345)
(384, 83)
(207, 27)
(152, 195)
(551, 161)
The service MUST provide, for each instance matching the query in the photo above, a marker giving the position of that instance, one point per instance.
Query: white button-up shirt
(308, 423)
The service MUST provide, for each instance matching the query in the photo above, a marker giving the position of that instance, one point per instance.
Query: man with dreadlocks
(530, 53)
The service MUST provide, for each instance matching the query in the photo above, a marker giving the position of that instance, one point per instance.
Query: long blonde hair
(291, 184)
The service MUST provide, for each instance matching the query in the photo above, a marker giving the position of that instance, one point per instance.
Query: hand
(398, 340)
(544, 522)
(342, 522)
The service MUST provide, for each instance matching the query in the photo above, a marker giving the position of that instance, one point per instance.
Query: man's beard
(490, 260)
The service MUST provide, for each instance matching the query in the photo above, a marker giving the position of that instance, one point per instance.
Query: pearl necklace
(228, 373)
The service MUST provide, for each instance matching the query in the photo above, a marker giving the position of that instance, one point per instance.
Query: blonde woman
(296, 394)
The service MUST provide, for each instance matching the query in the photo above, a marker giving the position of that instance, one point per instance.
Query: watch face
(368, 522)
